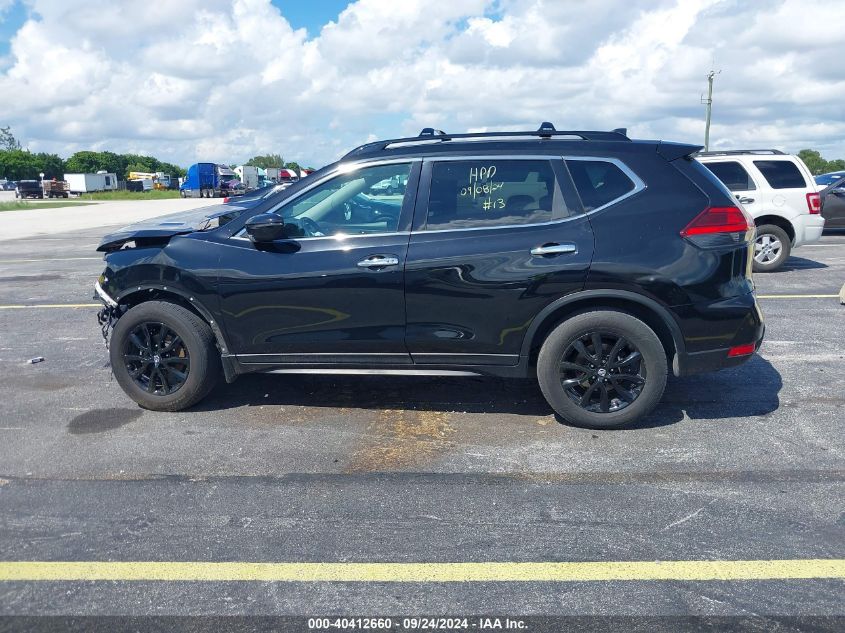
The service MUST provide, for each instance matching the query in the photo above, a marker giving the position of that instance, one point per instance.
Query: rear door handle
(553, 249)
(745, 200)
(376, 261)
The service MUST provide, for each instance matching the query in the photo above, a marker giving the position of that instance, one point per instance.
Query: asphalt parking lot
(746, 464)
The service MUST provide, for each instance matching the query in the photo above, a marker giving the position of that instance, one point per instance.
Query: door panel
(317, 300)
(471, 293)
(833, 208)
(336, 294)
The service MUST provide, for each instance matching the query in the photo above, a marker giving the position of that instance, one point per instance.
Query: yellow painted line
(51, 305)
(425, 572)
(797, 296)
(48, 259)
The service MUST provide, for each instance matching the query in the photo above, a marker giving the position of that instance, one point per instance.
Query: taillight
(226, 199)
(719, 220)
(741, 350)
(814, 203)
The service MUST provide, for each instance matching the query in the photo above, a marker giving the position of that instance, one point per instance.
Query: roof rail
(735, 152)
(431, 135)
(430, 131)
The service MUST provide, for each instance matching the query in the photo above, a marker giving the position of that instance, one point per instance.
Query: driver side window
(367, 200)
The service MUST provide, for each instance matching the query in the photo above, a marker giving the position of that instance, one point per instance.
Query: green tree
(91, 162)
(173, 170)
(817, 164)
(8, 140)
(293, 165)
(814, 161)
(267, 160)
(18, 164)
(51, 165)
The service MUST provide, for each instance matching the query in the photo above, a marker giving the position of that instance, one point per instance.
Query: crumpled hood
(166, 226)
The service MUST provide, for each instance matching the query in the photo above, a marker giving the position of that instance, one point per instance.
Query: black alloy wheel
(602, 369)
(156, 358)
(602, 372)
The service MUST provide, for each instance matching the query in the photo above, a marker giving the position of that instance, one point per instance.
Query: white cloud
(232, 78)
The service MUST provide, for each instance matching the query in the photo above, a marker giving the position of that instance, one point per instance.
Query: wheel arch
(173, 295)
(777, 220)
(647, 310)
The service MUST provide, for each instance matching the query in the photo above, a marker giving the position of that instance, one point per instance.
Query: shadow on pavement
(798, 263)
(748, 390)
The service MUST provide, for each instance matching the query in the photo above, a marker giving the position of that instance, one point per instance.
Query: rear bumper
(720, 326)
(808, 228)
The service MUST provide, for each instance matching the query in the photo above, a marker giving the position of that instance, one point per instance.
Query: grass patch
(23, 206)
(165, 194)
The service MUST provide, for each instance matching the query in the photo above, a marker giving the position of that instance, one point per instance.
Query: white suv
(778, 190)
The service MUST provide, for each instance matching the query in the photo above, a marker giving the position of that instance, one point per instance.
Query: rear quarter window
(781, 174)
(732, 174)
(599, 182)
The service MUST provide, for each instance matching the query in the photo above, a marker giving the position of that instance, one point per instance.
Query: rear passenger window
(489, 193)
(781, 174)
(732, 174)
(599, 182)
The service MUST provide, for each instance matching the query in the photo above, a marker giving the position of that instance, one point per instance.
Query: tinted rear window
(598, 182)
(781, 174)
(732, 174)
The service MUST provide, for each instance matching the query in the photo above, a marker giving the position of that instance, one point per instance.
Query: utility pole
(709, 103)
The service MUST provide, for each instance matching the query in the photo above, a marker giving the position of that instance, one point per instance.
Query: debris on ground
(37, 359)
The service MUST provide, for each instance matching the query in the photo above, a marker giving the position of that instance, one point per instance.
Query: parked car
(833, 203)
(591, 261)
(779, 192)
(391, 186)
(828, 179)
(28, 189)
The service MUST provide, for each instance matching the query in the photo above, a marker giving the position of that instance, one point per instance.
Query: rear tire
(772, 247)
(164, 356)
(612, 388)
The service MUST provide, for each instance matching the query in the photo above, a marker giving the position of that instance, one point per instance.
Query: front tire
(164, 356)
(602, 370)
(771, 248)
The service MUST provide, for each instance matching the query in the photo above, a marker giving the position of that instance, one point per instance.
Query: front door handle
(745, 199)
(553, 249)
(377, 261)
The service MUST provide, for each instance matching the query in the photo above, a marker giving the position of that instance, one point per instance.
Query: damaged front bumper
(103, 296)
(108, 314)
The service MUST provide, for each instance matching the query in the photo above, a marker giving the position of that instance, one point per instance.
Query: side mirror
(266, 227)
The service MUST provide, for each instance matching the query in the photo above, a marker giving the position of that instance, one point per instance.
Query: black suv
(585, 258)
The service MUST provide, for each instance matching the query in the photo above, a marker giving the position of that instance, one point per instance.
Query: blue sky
(224, 80)
(310, 14)
(10, 21)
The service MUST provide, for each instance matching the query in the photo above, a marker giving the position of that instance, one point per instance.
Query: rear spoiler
(674, 151)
